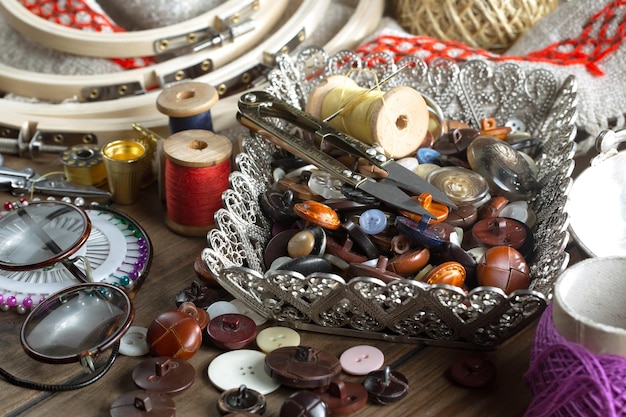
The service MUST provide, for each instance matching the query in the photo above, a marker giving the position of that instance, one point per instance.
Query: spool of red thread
(197, 166)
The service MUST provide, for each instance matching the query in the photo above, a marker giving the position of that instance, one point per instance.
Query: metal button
(463, 186)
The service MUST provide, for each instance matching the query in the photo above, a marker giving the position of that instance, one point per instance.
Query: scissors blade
(410, 181)
(396, 173)
(393, 196)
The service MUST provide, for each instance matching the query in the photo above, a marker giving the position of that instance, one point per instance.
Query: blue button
(428, 156)
(373, 221)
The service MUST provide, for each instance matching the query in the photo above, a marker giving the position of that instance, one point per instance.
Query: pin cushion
(407, 310)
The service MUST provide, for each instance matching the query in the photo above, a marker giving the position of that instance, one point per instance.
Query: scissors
(255, 109)
(26, 181)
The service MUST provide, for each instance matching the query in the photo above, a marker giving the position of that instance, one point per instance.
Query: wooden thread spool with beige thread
(396, 120)
(196, 171)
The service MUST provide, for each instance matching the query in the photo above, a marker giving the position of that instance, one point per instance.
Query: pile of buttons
(486, 240)
(253, 361)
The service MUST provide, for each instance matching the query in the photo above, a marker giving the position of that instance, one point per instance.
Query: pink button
(361, 360)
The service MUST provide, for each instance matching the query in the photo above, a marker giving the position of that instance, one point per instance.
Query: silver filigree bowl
(404, 310)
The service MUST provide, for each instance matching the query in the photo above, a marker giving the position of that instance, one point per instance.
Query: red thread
(601, 35)
(193, 195)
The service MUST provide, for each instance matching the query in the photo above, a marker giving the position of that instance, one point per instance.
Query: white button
(516, 125)
(361, 359)
(275, 337)
(242, 308)
(134, 342)
(241, 367)
(517, 210)
(221, 307)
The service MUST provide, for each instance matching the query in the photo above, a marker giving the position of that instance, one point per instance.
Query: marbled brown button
(499, 231)
(302, 366)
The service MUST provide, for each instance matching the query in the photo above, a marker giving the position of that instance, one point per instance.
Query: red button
(232, 331)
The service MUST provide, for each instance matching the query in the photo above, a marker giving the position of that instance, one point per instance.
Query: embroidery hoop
(124, 44)
(100, 122)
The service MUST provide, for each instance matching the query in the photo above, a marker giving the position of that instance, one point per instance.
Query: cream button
(276, 337)
(134, 342)
(361, 360)
(241, 367)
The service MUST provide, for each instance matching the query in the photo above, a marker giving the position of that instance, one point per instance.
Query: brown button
(400, 244)
(450, 273)
(143, 403)
(276, 247)
(503, 267)
(241, 400)
(164, 374)
(343, 397)
(362, 239)
(278, 206)
(473, 372)
(198, 294)
(492, 208)
(311, 241)
(379, 271)
(445, 230)
(344, 250)
(200, 315)
(300, 191)
(304, 403)
(499, 231)
(455, 141)
(232, 331)
(410, 262)
(302, 366)
(386, 386)
(462, 216)
(174, 334)
(204, 273)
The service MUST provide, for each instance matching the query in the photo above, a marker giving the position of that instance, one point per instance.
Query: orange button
(318, 213)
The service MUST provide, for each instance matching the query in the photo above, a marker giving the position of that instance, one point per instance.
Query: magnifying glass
(85, 318)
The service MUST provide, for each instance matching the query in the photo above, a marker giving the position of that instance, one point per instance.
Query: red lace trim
(78, 14)
(601, 35)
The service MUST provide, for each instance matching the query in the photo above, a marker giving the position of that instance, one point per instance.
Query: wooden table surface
(432, 392)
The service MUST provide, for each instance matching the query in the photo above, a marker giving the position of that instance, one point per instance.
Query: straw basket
(487, 24)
